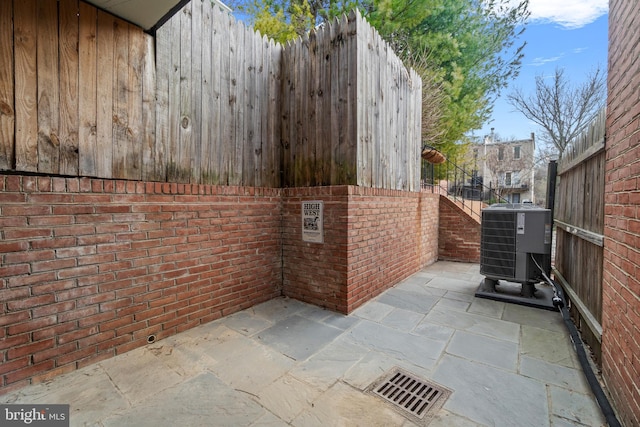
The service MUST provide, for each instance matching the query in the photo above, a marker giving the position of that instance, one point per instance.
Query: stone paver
(285, 362)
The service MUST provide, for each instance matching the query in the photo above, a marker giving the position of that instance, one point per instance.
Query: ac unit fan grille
(498, 244)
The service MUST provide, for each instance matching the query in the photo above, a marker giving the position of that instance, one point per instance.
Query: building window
(516, 152)
(507, 179)
(475, 154)
(501, 153)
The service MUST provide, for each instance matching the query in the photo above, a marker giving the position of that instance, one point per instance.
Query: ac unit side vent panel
(498, 244)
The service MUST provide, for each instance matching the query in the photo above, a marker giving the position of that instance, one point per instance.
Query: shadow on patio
(289, 363)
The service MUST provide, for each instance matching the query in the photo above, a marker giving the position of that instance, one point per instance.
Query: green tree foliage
(284, 20)
(463, 50)
(469, 45)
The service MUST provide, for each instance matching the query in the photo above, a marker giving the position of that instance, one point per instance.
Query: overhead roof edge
(147, 14)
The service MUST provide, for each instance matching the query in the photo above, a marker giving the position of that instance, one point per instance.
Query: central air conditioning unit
(515, 250)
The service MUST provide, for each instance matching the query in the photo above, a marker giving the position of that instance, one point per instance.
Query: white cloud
(539, 61)
(570, 14)
(579, 50)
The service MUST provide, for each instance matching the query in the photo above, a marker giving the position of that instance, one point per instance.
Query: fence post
(552, 173)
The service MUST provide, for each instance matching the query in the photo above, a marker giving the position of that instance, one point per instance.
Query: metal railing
(465, 188)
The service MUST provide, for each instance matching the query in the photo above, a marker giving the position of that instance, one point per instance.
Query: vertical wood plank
(7, 103)
(302, 122)
(335, 113)
(174, 117)
(69, 74)
(364, 177)
(105, 95)
(401, 141)
(185, 135)
(163, 74)
(87, 90)
(325, 124)
(274, 126)
(195, 158)
(206, 125)
(344, 158)
(238, 84)
(311, 75)
(351, 94)
(48, 87)
(120, 98)
(319, 117)
(26, 85)
(260, 100)
(227, 97)
(134, 130)
(148, 131)
(297, 117)
(285, 113)
(249, 127)
(219, 49)
(417, 128)
(264, 146)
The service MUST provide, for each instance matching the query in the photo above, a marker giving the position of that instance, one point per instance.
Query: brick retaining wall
(373, 239)
(459, 234)
(91, 267)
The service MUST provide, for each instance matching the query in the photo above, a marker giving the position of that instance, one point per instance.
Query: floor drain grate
(413, 396)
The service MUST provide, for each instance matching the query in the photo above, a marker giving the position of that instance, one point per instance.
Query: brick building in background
(506, 167)
(621, 278)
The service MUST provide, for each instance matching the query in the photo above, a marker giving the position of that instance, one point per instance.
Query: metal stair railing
(465, 188)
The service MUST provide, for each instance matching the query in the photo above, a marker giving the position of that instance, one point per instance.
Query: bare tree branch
(562, 111)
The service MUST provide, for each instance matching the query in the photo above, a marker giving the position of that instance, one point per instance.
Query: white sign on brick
(312, 221)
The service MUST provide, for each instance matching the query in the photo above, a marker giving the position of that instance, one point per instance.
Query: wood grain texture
(134, 141)
(120, 97)
(207, 101)
(69, 113)
(105, 95)
(48, 80)
(7, 109)
(88, 90)
(182, 171)
(163, 79)
(148, 130)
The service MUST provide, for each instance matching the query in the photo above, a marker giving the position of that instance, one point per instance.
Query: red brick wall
(89, 268)
(392, 234)
(621, 275)
(373, 239)
(459, 234)
(316, 272)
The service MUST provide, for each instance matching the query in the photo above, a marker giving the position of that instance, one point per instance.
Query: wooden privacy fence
(218, 100)
(351, 111)
(579, 220)
(76, 90)
(83, 93)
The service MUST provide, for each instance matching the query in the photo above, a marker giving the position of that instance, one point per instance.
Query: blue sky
(571, 34)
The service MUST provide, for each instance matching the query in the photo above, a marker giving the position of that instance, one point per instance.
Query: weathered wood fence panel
(579, 219)
(7, 110)
(215, 122)
(78, 79)
(351, 110)
(208, 100)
